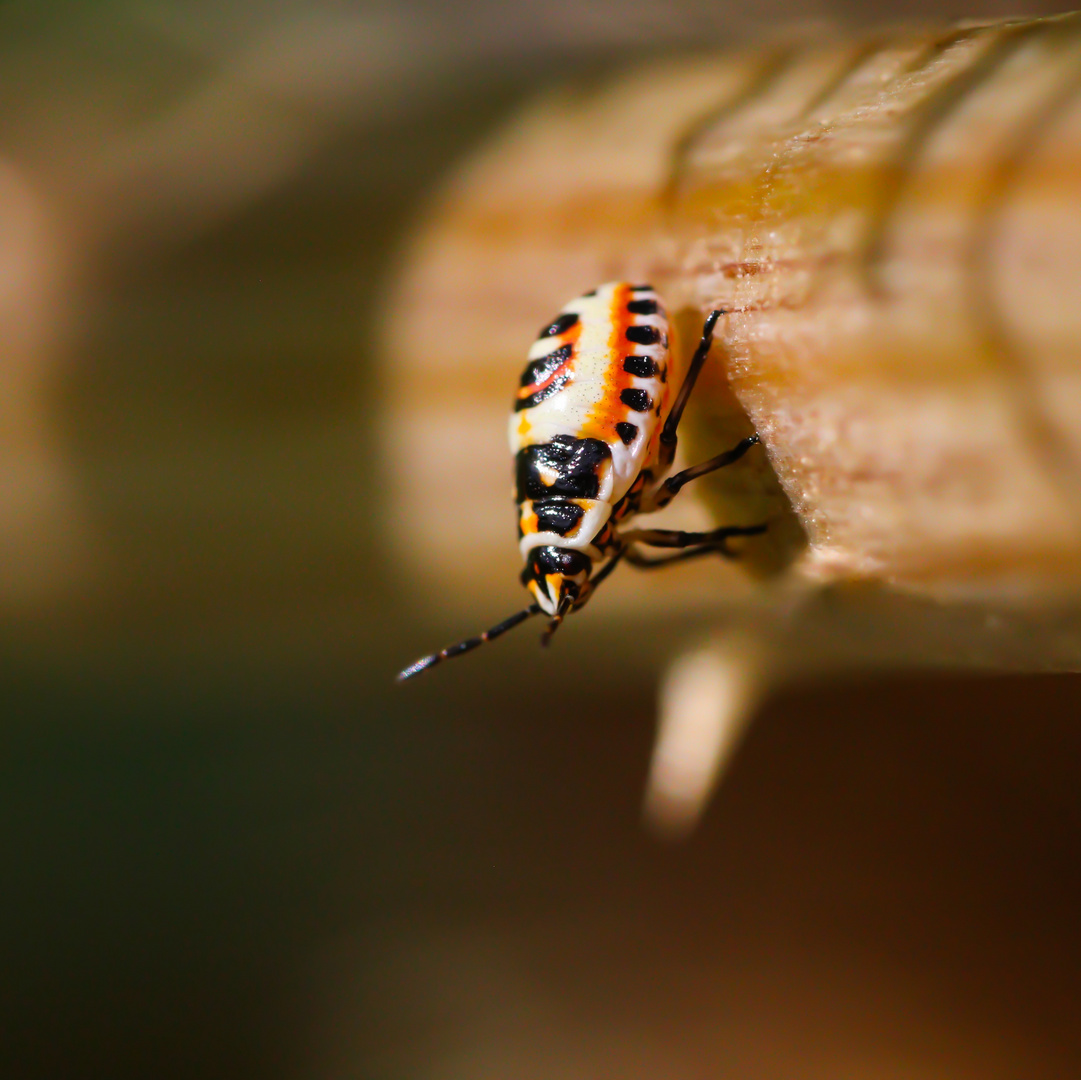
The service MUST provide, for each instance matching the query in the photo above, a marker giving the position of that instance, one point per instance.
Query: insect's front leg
(668, 437)
(617, 551)
(664, 493)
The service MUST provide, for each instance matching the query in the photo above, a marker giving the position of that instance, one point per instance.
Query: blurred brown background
(231, 848)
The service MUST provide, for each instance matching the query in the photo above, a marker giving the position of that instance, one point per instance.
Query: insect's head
(557, 577)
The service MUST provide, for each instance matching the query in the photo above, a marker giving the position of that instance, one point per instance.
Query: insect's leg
(668, 439)
(637, 559)
(605, 570)
(671, 487)
(676, 538)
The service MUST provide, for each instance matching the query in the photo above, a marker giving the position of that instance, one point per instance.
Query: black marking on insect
(550, 389)
(536, 371)
(558, 516)
(565, 467)
(588, 462)
(643, 335)
(544, 377)
(645, 367)
(636, 400)
(559, 326)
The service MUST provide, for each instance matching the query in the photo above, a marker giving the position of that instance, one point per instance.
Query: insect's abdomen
(588, 412)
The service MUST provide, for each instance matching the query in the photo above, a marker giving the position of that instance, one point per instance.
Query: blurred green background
(230, 847)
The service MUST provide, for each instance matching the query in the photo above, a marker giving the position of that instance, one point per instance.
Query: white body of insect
(594, 434)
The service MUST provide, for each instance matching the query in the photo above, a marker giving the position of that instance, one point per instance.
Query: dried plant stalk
(897, 232)
(894, 225)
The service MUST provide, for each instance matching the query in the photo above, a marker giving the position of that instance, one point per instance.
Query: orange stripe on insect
(527, 519)
(609, 410)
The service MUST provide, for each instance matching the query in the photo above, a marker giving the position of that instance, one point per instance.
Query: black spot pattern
(559, 325)
(642, 307)
(641, 288)
(642, 366)
(576, 462)
(550, 390)
(643, 335)
(637, 400)
(626, 431)
(557, 516)
(537, 371)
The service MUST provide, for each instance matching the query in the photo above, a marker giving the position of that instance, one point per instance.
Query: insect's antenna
(451, 651)
(557, 618)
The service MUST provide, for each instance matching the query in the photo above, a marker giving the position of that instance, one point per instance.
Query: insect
(591, 452)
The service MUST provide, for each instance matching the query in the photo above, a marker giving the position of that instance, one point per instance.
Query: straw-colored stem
(894, 225)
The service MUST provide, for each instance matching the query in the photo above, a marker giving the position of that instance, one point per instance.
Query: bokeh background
(229, 846)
